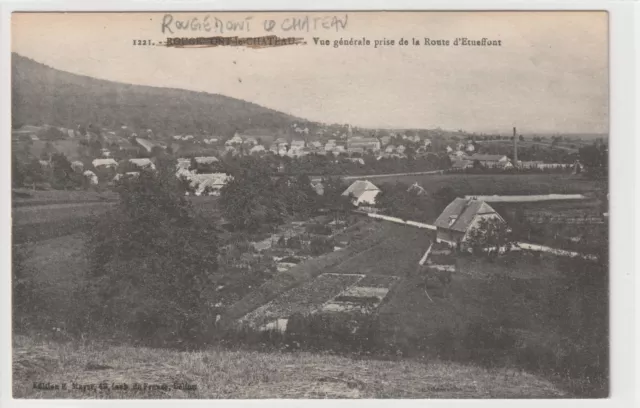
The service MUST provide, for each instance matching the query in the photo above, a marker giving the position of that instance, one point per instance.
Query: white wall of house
(367, 198)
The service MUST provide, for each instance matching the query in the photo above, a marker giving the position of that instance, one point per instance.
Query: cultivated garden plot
(306, 298)
(366, 296)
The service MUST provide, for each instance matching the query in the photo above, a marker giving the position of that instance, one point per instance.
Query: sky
(550, 74)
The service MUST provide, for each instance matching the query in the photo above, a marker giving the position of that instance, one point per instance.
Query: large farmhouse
(460, 217)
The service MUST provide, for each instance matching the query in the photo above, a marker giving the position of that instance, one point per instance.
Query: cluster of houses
(352, 145)
(202, 183)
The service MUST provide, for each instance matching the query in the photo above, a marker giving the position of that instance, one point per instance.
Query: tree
(50, 133)
(251, 200)
(18, 172)
(333, 199)
(63, 176)
(48, 151)
(490, 237)
(443, 196)
(521, 138)
(302, 197)
(34, 172)
(152, 261)
(157, 151)
(596, 159)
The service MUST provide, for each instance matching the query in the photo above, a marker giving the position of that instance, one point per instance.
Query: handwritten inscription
(213, 24)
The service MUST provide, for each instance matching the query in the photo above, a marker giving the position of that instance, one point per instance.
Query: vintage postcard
(302, 205)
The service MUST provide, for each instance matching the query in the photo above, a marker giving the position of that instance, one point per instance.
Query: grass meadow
(229, 374)
(500, 184)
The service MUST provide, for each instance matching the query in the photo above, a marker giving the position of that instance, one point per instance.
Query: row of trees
(57, 172)
(255, 199)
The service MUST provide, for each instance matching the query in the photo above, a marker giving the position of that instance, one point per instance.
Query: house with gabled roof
(235, 140)
(148, 145)
(210, 183)
(206, 159)
(257, 149)
(104, 163)
(143, 163)
(364, 192)
(462, 216)
(417, 189)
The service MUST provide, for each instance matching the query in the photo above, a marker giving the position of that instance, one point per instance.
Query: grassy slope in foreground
(219, 373)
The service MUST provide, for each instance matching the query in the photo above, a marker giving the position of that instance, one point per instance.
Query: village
(394, 153)
(306, 223)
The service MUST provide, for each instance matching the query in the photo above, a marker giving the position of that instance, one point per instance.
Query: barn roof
(459, 214)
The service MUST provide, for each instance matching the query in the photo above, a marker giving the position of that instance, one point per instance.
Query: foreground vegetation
(541, 314)
(224, 373)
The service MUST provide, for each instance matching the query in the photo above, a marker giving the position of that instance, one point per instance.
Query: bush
(346, 332)
(294, 243)
(319, 229)
(319, 246)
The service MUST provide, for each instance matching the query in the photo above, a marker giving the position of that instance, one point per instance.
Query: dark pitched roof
(462, 211)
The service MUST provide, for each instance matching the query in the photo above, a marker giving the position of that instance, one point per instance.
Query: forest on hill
(44, 95)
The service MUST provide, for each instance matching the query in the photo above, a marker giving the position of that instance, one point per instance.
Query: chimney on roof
(515, 147)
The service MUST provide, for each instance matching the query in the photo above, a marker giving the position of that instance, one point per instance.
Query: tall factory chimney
(515, 147)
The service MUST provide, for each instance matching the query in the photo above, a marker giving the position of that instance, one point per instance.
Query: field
(306, 298)
(229, 374)
(521, 296)
(507, 184)
(25, 197)
(368, 240)
(562, 146)
(568, 208)
(40, 215)
(41, 222)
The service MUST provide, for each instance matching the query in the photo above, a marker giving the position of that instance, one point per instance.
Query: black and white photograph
(310, 205)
